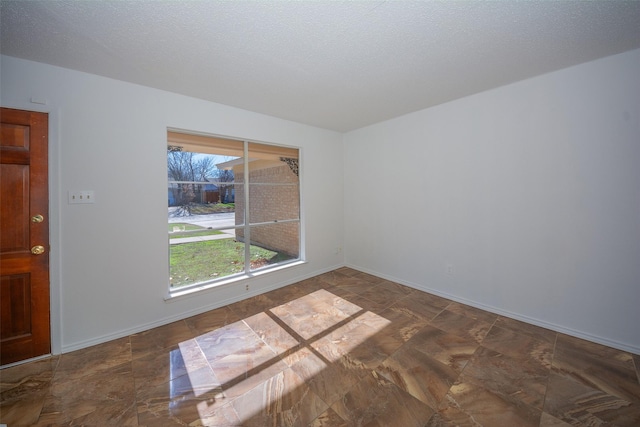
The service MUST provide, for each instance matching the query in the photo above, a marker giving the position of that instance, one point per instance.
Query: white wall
(530, 191)
(110, 260)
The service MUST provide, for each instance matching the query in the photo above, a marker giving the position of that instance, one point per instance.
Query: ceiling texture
(339, 65)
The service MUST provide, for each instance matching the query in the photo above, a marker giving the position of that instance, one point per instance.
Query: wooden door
(24, 236)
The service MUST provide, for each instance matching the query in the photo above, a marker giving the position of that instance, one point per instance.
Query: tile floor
(341, 349)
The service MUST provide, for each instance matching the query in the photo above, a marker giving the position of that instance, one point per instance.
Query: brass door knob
(37, 250)
(37, 218)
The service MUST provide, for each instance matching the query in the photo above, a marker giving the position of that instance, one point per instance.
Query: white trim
(55, 239)
(230, 280)
(245, 226)
(274, 221)
(22, 362)
(246, 231)
(205, 182)
(234, 138)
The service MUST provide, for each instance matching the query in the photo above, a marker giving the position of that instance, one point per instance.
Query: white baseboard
(537, 322)
(184, 315)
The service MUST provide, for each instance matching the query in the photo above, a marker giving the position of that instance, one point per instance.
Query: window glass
(274, 243)
(216, 229)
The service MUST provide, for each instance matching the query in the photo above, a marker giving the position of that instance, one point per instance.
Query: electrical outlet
(338, 250)
(81, 197)
(449, 269)
(246, 287)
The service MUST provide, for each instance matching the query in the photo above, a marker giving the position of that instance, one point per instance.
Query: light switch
(81, 197)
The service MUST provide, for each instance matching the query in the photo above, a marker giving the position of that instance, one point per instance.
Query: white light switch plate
(81, 197)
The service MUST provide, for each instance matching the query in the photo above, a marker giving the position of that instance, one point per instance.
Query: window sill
(236, 281)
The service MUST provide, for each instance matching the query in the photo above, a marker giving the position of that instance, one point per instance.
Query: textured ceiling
(336, 65)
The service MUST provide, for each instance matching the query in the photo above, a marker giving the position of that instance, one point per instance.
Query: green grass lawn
(209, 260)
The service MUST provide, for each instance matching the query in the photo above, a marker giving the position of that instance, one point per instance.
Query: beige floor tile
(470, 404)
(461, 325)
(512, 379)
(424, 378)
(376, 401)
(94, 359)
(472, 312)
(282, 400)
(153, 340)
(444, 347)
(578, 404)
(605, 369)
(23, 390)
(519, 345)
(104, 397)
(211, 320)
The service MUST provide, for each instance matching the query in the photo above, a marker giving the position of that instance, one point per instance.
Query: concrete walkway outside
(180, 240)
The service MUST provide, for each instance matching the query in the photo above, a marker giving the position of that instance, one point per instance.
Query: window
(233, 208)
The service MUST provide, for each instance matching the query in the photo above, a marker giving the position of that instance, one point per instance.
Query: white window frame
(247, 273)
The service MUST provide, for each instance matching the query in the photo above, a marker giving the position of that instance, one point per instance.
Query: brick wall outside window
(270, 203)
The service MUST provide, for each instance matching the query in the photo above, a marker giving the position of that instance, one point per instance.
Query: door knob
(37, 218)
(37, 250)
